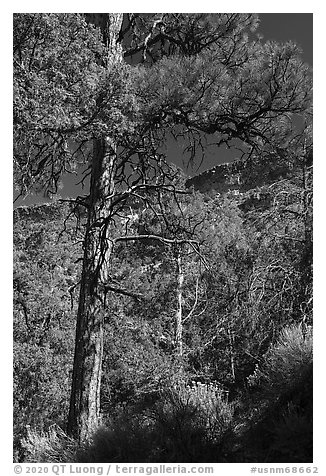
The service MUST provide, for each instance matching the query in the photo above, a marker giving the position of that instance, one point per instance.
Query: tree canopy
(192, 75)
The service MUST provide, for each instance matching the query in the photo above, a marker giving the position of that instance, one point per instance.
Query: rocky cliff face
(240, 176)
(40, 212)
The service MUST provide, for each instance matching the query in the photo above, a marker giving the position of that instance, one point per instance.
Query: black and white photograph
(162, 240)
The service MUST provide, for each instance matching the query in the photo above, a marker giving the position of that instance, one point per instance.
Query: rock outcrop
(240, 176)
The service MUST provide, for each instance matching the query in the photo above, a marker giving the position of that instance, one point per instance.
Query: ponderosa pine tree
(86, 379)
(126, 87)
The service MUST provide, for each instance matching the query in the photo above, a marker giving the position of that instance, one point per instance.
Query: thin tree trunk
(178, 316)
(84, 412)
(231, 354)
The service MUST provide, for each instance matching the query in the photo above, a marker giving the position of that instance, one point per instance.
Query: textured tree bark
(84, 412)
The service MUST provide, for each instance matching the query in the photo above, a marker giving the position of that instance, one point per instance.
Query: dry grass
(53, 446)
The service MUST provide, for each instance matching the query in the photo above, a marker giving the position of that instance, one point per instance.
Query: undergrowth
(197, 423)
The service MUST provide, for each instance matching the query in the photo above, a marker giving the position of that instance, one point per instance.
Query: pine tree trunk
(84, 412)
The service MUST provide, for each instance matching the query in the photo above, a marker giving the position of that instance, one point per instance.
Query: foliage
(233, 98)
(63, 96)
(44, 271)
(134, 366)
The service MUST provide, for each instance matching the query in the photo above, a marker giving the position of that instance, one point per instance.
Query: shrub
(284, 380)
(40, 386)
(127, 437)
(180, 430)
(192, 420)
(212, 402)
(287, 365)
(167, 432)
(186, 424)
